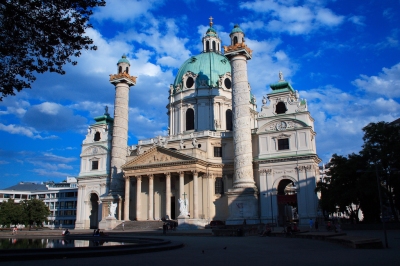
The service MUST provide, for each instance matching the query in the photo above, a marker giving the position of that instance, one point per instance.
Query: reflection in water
(14, 243)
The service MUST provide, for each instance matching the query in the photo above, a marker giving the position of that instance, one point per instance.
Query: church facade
(222, 159)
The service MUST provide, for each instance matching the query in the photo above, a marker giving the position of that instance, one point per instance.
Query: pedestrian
(123, 226)
(14, 231)
(311, 224)
(316, 225)
(164, 229)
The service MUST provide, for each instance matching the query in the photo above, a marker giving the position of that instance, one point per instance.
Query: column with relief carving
(168, 194)
(243, 198)
(127, 197)
(138, 194)
(151, 197)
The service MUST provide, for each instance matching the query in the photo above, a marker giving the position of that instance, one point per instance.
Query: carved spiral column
(138, 193)
(151, 197)
(127, 197)
(168, 194)
(243, 176)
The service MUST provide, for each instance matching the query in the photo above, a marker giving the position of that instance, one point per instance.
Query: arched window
(189, 119)
(120, 69)
(97, 136)
(207, 46)
(127, 70)
(280, 108)
(214, 46)
(235, 40)
(228, 116)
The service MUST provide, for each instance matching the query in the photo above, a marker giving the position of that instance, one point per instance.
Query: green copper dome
(236, 28)
(211, 32)
(208, 66)
(124, 60)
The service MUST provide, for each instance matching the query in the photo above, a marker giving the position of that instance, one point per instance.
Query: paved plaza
(203, 249)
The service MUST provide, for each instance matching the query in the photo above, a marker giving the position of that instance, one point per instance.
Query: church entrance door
(287, 202)
(94, 212)
(173, 208)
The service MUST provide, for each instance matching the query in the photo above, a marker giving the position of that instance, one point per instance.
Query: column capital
(181, 172)
(138, 178)
(167, 174)
(194, 172)
(304, 167)
(267, 171)
(150, 176)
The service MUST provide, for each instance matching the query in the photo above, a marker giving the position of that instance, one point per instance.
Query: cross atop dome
(211, 23)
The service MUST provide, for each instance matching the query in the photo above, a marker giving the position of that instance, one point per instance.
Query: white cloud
(340, 116)
(50, 116)
(358, 20)
(291, 17)
(123, 11)
(386, 83)
(25, 131)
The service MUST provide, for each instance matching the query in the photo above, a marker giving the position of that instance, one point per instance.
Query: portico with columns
(160, 177)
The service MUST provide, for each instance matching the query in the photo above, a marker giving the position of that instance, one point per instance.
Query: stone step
(141, 225)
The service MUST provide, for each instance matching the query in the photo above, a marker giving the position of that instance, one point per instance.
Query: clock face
(281, 125)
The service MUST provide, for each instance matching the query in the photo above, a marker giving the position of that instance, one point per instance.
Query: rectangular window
(217, 151)
(95, 165)
(219, 186)
(69, 194)
(283, 144)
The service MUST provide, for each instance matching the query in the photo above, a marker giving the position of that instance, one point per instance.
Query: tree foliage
(11, 213)
(37, 36)
(36, 211)
(352, 182)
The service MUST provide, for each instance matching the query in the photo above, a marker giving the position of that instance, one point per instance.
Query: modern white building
(227, 159)
(61, 198)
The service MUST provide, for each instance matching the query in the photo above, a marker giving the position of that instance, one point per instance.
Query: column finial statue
(281, 76)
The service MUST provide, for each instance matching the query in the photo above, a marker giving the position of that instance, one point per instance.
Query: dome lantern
(211, 41)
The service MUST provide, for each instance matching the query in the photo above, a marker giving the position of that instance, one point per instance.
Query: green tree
(352, 180)
(382, 148)
(36, 211)
(11, 213)
(37, 36)
(348, 190)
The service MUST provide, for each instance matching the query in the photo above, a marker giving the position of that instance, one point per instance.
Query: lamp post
(380, 201)
(381, 205)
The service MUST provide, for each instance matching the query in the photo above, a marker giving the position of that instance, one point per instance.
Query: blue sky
(342, 56)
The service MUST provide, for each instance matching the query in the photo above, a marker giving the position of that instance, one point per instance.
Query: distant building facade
(60, 198)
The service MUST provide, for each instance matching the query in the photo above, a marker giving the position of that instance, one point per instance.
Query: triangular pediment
(159, 155)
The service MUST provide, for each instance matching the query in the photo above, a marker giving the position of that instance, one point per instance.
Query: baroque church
(221, 160)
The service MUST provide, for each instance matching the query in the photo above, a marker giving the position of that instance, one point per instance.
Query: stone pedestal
(243, 206)
(191, 224)
(109, 223)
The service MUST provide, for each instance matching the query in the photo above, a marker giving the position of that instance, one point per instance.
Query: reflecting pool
(26, 243)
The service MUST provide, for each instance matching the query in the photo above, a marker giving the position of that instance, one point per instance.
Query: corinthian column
(127, 197)
(168, 194)
(138, 192)
(151, 197)
(195, 194)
